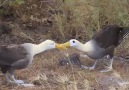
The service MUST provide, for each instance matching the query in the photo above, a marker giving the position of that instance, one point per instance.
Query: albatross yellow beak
(60, 46)
(63, 46)
(67, 44)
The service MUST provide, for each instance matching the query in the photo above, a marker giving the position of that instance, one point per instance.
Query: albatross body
(15, 57)
(101, 44)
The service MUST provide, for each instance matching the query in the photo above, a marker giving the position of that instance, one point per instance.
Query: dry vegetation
(37, 20)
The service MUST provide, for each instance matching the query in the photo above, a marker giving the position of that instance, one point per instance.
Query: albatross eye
(73, 41)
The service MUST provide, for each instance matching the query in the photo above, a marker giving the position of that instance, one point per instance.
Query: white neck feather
(34, 49)
(38, 48)
(87, 47)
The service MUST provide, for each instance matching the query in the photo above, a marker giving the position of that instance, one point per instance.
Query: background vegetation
(66, 19)
(60, 20)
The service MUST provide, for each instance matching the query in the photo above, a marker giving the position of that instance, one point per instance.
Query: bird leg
(11, 80)
(16, 81)
(108, 57)
(83, 55)
(20, 82)
(93, 67)
(109, 68)
(11, 76)
(6, 78)
(85, 67)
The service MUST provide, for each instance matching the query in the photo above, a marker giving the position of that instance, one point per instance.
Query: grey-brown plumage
(105, 42)
(110, 35)
(9, 55)
(102, 44)
(15, 57)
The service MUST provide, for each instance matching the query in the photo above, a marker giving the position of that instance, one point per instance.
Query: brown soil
(45, 71)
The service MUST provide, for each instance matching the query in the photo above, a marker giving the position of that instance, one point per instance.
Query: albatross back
(108, 36)
(11, 54)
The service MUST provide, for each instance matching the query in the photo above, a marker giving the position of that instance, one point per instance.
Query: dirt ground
(45, 72)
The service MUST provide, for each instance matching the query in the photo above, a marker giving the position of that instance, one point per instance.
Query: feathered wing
(22, 63)
(108, 36)
(12, 53)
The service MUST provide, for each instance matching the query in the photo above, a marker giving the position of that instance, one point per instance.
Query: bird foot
(91, 68)
(27, 85)
(122, 83)
(19, 81)
(106, 70)
(85, 56)
(85, 67)
(16, 82)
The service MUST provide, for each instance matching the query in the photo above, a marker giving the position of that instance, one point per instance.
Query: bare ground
(46, 74)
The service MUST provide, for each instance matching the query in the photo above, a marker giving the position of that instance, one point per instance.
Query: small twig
(3, 3)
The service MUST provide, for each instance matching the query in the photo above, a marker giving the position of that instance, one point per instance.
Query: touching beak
(63, 46)
(59, 46)
(67, 44)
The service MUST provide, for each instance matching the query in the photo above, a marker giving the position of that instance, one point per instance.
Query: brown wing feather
(12, 53)
(20, 63)
(108, 36)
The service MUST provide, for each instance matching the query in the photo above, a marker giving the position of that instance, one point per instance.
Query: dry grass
(71, 18)
(78, 19)
(46, 74)
(81, 18)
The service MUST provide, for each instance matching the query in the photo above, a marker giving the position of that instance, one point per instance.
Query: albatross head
(71, 43)
(78, 45)
(51, 45)
(46, 45)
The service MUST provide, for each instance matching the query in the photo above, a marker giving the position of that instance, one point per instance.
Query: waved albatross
(14, 57)
(101, 44)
